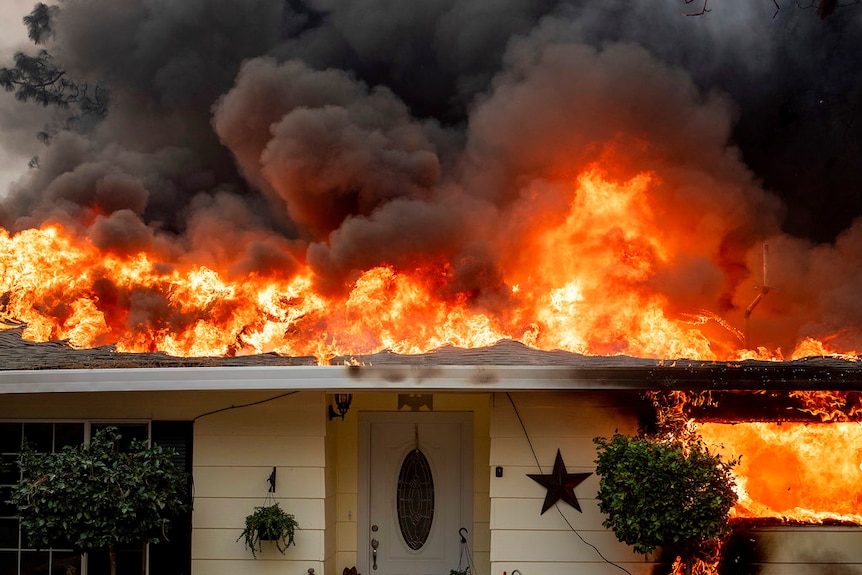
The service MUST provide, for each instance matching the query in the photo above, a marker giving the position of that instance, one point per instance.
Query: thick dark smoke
(266, 134)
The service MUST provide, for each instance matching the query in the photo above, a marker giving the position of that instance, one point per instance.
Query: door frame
(366, 418)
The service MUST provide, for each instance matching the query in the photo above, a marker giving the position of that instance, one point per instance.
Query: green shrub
(95, 496)
(664, 494)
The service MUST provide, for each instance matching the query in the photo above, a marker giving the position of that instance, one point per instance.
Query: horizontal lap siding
(251, 451)
(221, 513)
(522, 537)
(566, 568)
(262, 566)
(518, 548)
(162, 405)
(807, 569)
(221, 544)
(235, 452)
(239, 436)
(808, 550)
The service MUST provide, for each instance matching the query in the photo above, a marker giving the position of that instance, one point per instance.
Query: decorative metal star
(560, 484)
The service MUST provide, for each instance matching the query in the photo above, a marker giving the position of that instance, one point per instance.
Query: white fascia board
(330, 378)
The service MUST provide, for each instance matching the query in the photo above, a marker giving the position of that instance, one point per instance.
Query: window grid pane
(65, 563)
(39, 436)
(46, 437)
(9, 534)
(8, 562)
(35, 562)
(6, 509)
(10, 437)
(68, 434)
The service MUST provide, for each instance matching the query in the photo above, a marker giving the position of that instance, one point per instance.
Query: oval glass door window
(415, 499)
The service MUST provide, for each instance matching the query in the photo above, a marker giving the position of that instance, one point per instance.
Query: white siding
(316, 461)
(234, 454)
(805, 550)
(562, 540)
(559, 542)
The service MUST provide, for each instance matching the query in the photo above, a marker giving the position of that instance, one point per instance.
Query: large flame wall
(304, 186)
(793, 471)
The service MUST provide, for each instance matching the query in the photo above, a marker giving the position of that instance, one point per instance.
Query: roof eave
(428, 378)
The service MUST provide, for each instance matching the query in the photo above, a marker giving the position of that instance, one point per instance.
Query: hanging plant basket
(269, 522)
(264, 534)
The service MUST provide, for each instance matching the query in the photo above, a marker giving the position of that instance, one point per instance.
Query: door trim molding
(366, 418)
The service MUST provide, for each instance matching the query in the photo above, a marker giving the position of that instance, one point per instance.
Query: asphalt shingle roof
(826, 373)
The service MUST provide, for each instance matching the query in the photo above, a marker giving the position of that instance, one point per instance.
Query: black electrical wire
(213, 412)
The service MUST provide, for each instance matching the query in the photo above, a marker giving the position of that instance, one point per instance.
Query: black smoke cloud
(794, 79)
(359, 177)
(344, 134)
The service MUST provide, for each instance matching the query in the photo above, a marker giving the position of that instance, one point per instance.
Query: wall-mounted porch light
(342, 405)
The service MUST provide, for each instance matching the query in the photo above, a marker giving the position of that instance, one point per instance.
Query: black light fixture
(342, 404)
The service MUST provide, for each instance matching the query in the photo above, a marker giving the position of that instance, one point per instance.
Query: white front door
(415, 492)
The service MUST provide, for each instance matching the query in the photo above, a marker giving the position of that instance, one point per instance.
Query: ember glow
(791, 471)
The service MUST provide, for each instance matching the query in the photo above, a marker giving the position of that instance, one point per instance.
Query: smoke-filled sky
(352, 133)
(16, 122)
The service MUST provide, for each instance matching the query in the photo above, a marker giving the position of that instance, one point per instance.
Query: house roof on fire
(29, 367)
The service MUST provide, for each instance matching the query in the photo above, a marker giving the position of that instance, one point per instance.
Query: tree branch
(703, 9)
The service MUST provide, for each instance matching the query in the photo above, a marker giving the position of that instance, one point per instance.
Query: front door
(415, 473)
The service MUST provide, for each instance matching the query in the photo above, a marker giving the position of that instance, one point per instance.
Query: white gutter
(428, 378)
(332, 378)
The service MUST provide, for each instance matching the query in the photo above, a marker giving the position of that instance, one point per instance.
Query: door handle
(374, 545)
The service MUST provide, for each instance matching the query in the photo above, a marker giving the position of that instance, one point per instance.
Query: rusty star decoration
(560, 484)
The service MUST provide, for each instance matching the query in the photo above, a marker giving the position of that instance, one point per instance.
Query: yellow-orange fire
(805, 472)
(798, 471)
(578, 282)
(785, 471)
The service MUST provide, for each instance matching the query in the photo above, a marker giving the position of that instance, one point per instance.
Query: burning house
(486, 420)
(297, 239)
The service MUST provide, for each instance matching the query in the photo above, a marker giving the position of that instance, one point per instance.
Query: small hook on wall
(271, 480)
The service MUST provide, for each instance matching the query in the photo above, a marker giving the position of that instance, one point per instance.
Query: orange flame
(578, 281)
(805, 472)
